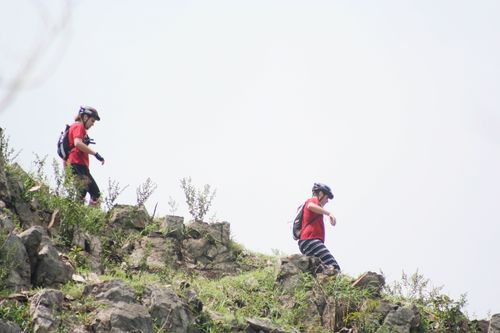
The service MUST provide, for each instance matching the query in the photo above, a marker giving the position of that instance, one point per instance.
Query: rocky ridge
(36, 267)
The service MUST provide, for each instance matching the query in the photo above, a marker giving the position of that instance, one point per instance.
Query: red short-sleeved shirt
(76, 156)
(313, 226)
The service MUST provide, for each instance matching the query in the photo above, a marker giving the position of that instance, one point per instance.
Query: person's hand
(99, 158)
(333, 220)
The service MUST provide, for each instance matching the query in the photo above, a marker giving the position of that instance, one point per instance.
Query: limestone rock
(371, 281)
(15, 258)
(52, 269)
(130, 216)
(154, 252)
(494, 324)
(44, 309)
(219, 232)
(7, 327)
(112, 291)
(173, 226)
(402, 320)
(6, 221)
(170, 311)
(32, 239)
(122, 317)
(291, 267)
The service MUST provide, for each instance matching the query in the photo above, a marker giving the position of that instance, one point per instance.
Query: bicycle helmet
(89, 111)
(319, 187)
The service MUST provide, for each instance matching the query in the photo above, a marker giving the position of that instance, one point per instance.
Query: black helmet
(318, 187)
(89, 111)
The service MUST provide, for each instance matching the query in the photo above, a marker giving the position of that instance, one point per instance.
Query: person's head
(88, 116)
(322, 192)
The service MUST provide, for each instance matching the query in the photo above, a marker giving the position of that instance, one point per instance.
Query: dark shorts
(85, 182)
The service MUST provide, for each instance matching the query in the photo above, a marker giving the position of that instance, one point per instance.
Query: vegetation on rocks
(66, 267)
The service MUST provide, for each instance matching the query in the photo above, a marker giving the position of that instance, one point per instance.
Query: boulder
(32, 239)
(122, 317)
(4, 184)
(220, 232)
(481, 325)
(44, 309)
(113, 291)
(132, 217)
(6, 221)
(92, 249)
(168, 310)
(173, 226)
(154, 253)
(52, 269)
(402, 320)
(372, 281)
(22, 208)
(292, 266)
(494, 324)
(14, 258)
(8, 327)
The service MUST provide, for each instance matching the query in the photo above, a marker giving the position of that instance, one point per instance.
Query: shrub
(144, 191)
(198, 202)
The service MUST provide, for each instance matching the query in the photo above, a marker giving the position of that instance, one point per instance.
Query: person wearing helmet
(78, 158)
(312, 235)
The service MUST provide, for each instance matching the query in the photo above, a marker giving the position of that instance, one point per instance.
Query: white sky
(394, 104)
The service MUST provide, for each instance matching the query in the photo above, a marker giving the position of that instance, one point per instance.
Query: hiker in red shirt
(312, 235)
(78, 157)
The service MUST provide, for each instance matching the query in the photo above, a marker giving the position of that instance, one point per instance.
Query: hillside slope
(65, 267)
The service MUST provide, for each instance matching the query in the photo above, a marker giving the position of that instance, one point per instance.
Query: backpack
(297, 222)
(63, 147)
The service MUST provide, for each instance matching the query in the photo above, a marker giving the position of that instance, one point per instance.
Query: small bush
(18, 313)
(144, 191)
(114, 190)
(198, 202)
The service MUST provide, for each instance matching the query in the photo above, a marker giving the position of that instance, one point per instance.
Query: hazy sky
(394, 104)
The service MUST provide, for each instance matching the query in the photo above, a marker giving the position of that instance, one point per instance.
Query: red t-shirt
(76, 156)
(313, 226)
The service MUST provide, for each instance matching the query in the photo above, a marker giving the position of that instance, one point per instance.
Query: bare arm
(86, 149)
(83, 147)
(319, 210)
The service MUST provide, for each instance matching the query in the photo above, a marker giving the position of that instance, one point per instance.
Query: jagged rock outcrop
(4, 185)
(494, 324)
(6, 220)
(17, 260)
(123, 312)
(119, 311)
(122, 317)
(32, 239)
(32, 259)
(169, 310)
(44, 309)
(401, 320)
(8, 327)
(208, 246)
(291, 267)
(200, 246)
(130, 216)
(154, 253)
(372, 281)
(92, 249)
(27, 216)
(173, 226)
(52, 270)
(113, 291)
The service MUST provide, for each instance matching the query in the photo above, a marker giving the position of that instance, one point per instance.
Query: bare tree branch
(19, 80)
